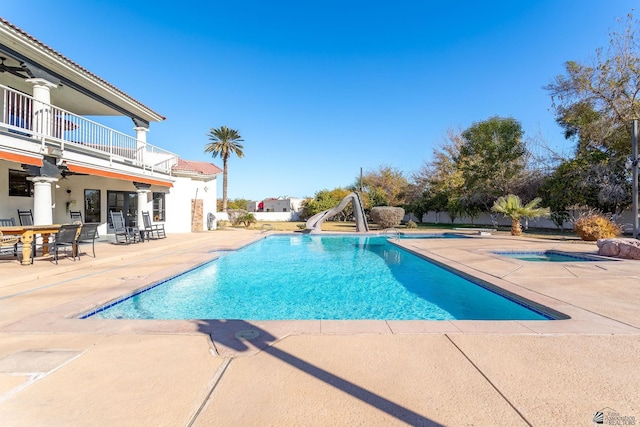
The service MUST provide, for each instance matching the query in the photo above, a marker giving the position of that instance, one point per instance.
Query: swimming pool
(547, 256)
(318, 277)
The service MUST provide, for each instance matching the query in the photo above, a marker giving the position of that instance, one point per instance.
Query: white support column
(143, 204)
(141, 137)
(42, 114)
(42, 202)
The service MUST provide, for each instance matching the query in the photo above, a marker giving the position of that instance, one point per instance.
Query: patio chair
(88, 233)
(151, 229)
(75, 216)
(67, 236)
(8, 222)
(25, 217)
(121, 231)
(9, 245)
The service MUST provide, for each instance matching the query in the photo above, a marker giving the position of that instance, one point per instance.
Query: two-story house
(56, 156)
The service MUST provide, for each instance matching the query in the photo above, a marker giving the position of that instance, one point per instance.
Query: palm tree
(224, 142)
(511, 206)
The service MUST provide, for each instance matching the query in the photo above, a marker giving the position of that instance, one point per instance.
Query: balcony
(54, 129)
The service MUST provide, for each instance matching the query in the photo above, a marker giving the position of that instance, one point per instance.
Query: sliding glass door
(125, 201)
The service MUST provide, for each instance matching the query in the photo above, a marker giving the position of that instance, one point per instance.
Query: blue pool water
(318, 277)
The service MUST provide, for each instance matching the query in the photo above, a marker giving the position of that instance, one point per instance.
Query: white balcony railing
(54, 127)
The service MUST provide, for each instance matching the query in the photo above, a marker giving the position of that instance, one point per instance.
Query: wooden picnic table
(27, 233)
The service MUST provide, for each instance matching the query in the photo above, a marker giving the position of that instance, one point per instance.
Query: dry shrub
(593, 226)
(234, 214)
(387, 216)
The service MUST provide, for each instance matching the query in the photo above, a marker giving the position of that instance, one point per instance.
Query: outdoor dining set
(22, 241)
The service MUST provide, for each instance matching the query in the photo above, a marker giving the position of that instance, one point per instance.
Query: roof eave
(45, 56)
(193, 175)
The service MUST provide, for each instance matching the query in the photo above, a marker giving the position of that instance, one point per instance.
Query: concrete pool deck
(58, 370)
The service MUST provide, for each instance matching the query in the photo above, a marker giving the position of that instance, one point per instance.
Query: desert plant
(592, 226)
(245, 219)
(411, 224)
(387, 216)
(234, 214)
(511, 206)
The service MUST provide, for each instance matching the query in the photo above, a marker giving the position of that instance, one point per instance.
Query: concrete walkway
(57, 370)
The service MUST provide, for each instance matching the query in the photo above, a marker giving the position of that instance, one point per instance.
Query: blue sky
(319, 89)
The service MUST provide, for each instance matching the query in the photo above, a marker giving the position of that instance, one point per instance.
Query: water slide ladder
(360, 224)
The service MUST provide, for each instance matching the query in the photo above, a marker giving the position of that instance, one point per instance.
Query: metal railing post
(634, 161)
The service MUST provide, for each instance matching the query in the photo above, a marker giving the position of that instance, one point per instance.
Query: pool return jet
(314, 224)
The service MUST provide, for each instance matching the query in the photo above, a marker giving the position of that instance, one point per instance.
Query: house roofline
(30, 49)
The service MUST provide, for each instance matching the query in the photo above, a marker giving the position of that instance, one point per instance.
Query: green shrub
(234, 214)
(246, 220)
(411, 224)
(593, 226)
(387, 216)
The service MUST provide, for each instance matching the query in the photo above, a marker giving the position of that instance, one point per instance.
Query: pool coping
(63, 318)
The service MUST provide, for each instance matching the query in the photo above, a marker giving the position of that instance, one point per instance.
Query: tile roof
(202, 168)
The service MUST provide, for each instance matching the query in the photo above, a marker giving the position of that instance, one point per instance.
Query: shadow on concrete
(227, 332)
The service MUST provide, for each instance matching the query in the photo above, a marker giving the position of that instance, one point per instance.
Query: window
(92, 207)
(159, 207)
(18, 184)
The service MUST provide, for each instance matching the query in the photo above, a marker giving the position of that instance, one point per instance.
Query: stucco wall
(179, 199)
(277, 216)
(485, 219)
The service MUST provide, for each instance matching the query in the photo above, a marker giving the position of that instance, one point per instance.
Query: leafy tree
(326, 199)
(594, 102)
(224, 142)
(376, 196)
(610, 84)
(386, 186)
(596, 176)
(565, 190)
(233, 204)
(511, 206)
(491, 159)
(438, 185)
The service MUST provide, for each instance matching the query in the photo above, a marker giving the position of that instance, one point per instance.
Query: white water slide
(314, 224)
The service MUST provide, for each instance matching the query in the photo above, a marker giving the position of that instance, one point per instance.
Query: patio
(58, 370)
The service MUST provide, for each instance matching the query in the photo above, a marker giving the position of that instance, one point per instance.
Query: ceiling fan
(66, 173)
(20, 71)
